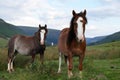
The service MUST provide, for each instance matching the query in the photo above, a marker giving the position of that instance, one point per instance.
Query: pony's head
(43, 31)
(41, 34)
(77, 25)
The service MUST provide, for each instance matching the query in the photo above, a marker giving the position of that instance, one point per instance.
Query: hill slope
(109, 38)
(7, 30)
(94, 40)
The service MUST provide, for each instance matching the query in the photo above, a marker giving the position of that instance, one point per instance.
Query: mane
(36, 36)
(71, 34)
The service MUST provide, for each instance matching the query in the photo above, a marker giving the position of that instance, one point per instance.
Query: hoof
(59, 72)
(70, 74)
(11, 70)
(80, 74)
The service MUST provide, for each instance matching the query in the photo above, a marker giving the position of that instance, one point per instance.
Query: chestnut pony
(72, 42)
(27, 45)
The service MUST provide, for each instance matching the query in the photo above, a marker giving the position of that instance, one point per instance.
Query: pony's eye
(75, 23)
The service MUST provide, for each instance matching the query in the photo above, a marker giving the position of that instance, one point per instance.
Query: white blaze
(80, 28)
(42, 36)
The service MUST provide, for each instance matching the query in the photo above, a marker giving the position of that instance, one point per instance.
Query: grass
(3, 42)
(110, 69)
(104, 51)
(102, 62)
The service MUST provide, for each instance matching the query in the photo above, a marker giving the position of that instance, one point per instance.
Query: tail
(11, 47)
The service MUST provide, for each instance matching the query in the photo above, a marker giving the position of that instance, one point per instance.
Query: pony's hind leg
(60, 61)
(10, 52)
(12, 60)
(11, 57)
(9, 65)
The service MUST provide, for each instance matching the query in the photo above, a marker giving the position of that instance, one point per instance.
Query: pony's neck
(36, 37)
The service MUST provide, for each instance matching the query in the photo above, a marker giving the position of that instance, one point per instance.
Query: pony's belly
(64, 52)
(24, 51)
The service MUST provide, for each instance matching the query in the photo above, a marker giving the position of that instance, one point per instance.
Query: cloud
(57, 13)
(32, 13)
(108, 8)
(92, 30)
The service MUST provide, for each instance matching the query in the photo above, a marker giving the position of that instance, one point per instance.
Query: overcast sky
(103, 15)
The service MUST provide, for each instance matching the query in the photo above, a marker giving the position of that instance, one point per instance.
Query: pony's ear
(39, 26)
(74, 13)
(85, 12)
(45, 26)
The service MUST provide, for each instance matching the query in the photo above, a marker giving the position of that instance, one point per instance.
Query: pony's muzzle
(80, 40)
(42, 43)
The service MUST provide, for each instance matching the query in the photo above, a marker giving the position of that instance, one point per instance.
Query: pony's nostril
(81, 40)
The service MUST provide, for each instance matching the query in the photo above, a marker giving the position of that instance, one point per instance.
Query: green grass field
(3, 42)
(102, 62)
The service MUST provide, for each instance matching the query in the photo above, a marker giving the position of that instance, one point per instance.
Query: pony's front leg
(80, 65)
(42, 57)
(70, 65)
(33, 57)
(60, 61)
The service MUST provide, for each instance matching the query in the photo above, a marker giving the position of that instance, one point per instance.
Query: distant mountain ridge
(94, 39)
(2, 21)
(110, 38)
(52, 35)
(7, 30)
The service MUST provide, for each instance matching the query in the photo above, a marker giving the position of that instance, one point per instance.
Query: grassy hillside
(7, 30)
(110, 38)
(28, 30)
(102, 62)
(3, 42)
(105, 51)
(94, 39)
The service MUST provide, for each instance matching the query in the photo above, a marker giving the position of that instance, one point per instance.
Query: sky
(103, 15)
